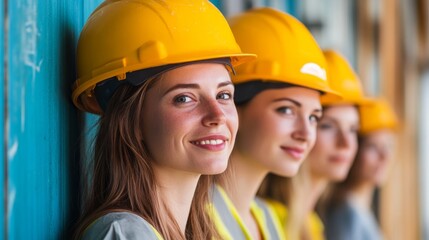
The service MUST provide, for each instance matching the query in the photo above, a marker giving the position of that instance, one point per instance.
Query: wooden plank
(399, 198)
(399, 207)
(424, 154)
(365, 45)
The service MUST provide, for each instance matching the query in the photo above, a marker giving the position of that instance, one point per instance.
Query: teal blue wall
(230, 8)
(292, 7)
(41, 129)
(217, 3)
(2, 128)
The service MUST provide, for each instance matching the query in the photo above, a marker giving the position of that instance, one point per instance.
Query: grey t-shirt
(349, 221)
(120, 225)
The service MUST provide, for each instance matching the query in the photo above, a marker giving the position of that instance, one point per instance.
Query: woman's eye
(354, 129)
(314, 118)
(284, 110)
(325, 126)
(224, 96)
(371, 146)
(182, 99)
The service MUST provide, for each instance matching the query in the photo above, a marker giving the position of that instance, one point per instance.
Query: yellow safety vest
(315, 224)
(231, 226)
(316, 227)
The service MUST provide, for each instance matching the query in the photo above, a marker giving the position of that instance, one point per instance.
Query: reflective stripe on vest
(227, 218)
(274, 235)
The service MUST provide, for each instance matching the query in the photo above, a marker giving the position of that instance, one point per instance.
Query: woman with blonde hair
(330, 158)
(278, 103)
(349, 206)
(158, 74)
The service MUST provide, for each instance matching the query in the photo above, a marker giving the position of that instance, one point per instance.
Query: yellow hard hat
(376, 116)
(123, 36)
(344, 80)
(287, 52)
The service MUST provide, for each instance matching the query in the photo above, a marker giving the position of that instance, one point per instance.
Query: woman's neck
(176, 190)
(362, 195)
(317, 187)
(246, 177)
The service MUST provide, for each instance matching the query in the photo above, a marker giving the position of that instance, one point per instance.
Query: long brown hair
(337, 192)
(292, 192)
(123, 178)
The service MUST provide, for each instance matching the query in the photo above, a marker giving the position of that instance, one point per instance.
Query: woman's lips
(296, 153)
(212, 142)
(339, 159)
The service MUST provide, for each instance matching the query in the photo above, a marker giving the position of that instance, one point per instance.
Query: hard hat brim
(89, 85)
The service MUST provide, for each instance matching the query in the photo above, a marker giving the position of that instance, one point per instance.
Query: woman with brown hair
(159, 77)
(349, 208)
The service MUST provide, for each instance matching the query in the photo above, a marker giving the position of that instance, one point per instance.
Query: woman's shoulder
(350, 221)
(121, 225)
(345, 210)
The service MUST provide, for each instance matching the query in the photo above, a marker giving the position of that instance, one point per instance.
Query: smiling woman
(193, 127)
(278, 103)
(168, 120)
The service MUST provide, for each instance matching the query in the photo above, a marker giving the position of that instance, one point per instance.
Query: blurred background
(45, 138)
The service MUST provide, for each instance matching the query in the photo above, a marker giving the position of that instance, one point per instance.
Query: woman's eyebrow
(298, 104)
(194, 86)
(223, 84)
(182, 85)
(318, 110)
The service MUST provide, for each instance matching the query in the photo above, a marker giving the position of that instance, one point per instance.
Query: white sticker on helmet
(315, 70)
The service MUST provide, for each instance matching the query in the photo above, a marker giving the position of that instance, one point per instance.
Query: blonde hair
(123, 178)
(292, 192)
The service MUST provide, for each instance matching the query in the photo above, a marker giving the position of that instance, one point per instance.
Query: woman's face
(336, 143)
(278, 128)
(374, 155)
(190, 120)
